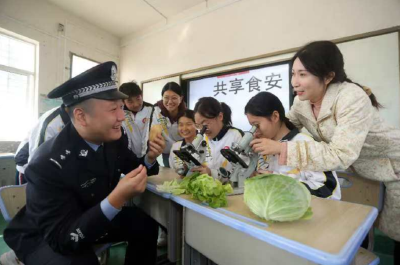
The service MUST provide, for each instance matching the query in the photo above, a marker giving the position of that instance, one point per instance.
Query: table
(234, 235)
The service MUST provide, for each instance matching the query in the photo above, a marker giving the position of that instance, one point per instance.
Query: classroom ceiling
(123, 17)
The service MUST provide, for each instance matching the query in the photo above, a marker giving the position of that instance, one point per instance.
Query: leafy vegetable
(209, 190)
(172, 186)
(202, 187)
(277, 198)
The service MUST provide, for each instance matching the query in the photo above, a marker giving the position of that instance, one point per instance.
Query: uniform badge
(74, 237)
(144, 120)
(62, 157)
(83, 153)
(67, 152)
(88, 183)
(113, 73)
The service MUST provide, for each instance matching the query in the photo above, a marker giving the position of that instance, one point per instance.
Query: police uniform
(68, 181)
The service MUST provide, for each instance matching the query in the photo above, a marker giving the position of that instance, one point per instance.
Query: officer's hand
(155, 148)
(133, 184)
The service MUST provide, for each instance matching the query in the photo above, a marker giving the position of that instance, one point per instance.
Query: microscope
(192, 154)
(240, 169)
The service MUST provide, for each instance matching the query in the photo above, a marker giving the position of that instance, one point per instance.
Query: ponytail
(226, 110)
(288, 123)
(368, 91)
(264, 104)
(210, 108)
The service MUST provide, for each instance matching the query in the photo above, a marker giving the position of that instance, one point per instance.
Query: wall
(249, 28)
(38, 20)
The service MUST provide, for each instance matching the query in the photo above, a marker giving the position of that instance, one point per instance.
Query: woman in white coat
(343, 118)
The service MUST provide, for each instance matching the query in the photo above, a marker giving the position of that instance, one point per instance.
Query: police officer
(75, 195)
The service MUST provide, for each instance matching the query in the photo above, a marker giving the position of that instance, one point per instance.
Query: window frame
(71, 54)
(32, 79)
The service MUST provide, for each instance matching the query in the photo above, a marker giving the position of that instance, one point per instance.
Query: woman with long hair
(343, 118)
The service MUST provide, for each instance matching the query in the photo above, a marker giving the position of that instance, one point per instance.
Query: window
(80, 65)
(17, 86)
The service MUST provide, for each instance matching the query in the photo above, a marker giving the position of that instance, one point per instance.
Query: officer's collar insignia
(88, 183)
(62, 157)
(67, 152)
(83, 153)
(74, 237)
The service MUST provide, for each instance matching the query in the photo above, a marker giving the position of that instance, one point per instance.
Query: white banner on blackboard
(236, 89)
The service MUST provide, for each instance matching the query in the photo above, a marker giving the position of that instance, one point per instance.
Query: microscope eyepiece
(203, 130)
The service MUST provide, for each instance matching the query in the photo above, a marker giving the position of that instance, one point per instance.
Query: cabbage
(277, 198)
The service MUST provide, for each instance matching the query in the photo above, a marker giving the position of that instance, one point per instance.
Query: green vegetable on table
(172, 186)
(277, 198)
(201, 187)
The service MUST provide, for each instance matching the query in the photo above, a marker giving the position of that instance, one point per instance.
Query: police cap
(98, 82)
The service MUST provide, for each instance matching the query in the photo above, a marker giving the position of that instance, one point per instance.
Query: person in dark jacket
(75, 193)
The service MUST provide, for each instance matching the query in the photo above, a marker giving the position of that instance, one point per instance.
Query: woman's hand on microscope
(260, 172)
(202, 170)
(264, 146)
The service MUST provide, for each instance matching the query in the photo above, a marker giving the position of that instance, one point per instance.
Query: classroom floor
(383, 248)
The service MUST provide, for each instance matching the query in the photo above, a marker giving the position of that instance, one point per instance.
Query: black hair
(188, 114)
(264, 104)
(320, 58)
(86, 105)
(210, 108)
(174, 87)
(131, 89)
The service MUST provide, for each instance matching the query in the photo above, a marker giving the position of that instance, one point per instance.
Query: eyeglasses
(205, 123)
(199, 126)
(173, 99)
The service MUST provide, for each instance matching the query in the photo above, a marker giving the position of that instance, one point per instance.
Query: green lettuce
(202, 187)
(277, 198)
(172, 186)
(209, 190)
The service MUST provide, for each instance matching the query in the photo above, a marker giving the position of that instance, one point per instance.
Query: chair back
(12, 199)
